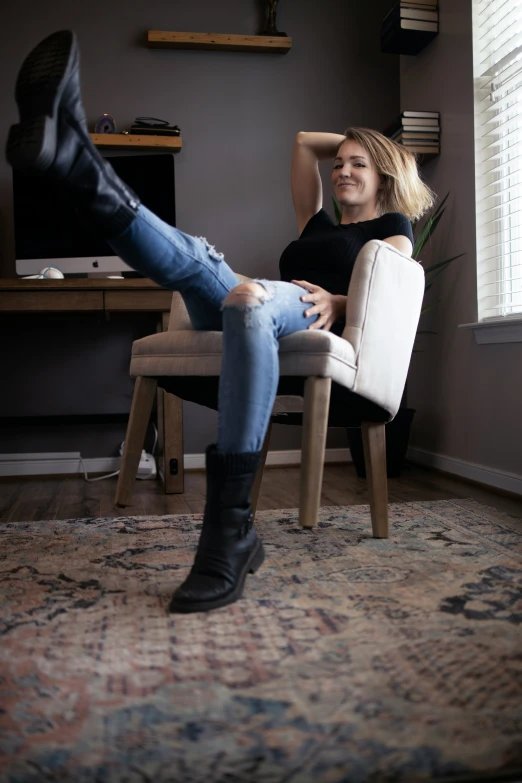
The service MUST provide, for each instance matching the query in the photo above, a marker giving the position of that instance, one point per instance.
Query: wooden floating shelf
(161, 39)
(135, 141)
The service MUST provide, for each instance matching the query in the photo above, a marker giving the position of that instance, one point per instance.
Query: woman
(374, 180)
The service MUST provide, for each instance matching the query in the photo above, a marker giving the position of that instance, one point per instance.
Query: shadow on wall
(7, 252)
(262, 12)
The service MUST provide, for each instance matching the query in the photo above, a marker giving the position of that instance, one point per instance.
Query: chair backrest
(179, 317)
(382, 314)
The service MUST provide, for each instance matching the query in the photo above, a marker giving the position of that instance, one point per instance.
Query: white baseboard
(510, 482)
(67, 463)
(54, 464)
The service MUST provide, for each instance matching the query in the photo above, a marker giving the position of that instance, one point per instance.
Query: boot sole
(253, 564)
(31, 144)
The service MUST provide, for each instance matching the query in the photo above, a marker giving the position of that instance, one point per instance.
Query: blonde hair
(403, 190)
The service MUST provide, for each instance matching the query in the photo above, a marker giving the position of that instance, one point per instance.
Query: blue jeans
(250, 369)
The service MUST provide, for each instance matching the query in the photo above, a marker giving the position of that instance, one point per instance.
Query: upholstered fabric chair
(367, 367)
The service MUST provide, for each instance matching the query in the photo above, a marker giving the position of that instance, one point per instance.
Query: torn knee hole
(246, 294)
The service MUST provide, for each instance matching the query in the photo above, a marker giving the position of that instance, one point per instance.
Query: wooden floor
(40, 498)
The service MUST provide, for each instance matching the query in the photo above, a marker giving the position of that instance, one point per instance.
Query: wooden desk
(101, 294)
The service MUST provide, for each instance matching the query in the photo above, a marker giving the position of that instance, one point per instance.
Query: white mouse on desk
(48, 272)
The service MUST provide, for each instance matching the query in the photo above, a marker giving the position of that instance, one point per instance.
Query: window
(497, 70)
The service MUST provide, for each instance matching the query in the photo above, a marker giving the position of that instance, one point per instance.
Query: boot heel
(257, 559)
(32, 144)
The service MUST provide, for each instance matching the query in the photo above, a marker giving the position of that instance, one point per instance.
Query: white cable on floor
(99, 478)
(110, 475)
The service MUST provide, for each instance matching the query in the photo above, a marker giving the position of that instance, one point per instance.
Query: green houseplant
(398, 431)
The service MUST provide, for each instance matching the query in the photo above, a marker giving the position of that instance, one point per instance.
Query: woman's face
(354, 177)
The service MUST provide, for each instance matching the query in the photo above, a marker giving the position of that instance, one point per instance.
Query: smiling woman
(377, 184)
(394, 172)
(357, 183)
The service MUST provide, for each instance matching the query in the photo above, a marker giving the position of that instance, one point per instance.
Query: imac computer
(50, 231)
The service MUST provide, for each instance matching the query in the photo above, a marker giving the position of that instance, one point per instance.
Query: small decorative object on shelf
(271, 28)
(105, 124)
(419, 131)
(409, 26)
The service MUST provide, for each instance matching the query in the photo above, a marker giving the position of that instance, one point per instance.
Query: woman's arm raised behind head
(307, 188)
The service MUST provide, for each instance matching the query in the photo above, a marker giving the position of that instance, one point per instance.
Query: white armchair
(371, 359)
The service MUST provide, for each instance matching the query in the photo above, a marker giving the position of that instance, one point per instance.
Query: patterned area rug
(349, 659)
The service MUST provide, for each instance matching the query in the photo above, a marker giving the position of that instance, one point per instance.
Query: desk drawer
(147, 301)
(50, 301)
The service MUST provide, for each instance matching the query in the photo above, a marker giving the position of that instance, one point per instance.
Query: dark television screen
(47, 225)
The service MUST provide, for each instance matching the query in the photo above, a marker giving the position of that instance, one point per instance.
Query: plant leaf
(430, 280)
(337, 210)
(430, 307)
(442, 263)
(426, 233)
(439, 206)
(429, 227)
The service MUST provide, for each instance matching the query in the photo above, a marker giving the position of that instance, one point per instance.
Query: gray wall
(467, 396)
(239, 114)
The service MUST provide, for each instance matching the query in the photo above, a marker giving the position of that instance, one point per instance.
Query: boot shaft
(91, 181)
(51, 140)
(230, 477)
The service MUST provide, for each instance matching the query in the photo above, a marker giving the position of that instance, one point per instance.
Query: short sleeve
(394, 223)
(317, 223)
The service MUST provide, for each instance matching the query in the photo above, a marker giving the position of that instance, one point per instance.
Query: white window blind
(497, 66)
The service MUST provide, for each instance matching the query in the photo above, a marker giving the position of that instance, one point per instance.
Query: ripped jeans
(250, 368)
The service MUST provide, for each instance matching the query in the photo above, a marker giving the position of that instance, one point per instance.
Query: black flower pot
(397, 438)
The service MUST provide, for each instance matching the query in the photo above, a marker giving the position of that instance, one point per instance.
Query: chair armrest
(382, 314)
(179, 317)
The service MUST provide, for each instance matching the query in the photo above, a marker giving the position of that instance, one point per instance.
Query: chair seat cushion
(194, 353)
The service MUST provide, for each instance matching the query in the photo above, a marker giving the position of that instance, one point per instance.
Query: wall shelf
(418, 132)
(162, 39)
(133, 141)
(403, 29)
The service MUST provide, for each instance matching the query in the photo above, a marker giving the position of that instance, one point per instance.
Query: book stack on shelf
(419, 131)
(409, 26)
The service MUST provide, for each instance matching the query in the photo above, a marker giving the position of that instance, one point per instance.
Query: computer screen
(50, 230)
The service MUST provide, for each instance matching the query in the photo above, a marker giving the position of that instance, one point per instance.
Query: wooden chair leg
(315, 425)
(141, 408)
(374, 445)
(256, 487)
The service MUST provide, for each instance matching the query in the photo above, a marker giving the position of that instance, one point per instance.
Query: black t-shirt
(325, 252)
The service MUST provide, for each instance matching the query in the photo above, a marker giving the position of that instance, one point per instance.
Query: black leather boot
(52, 140)
(228, 547)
